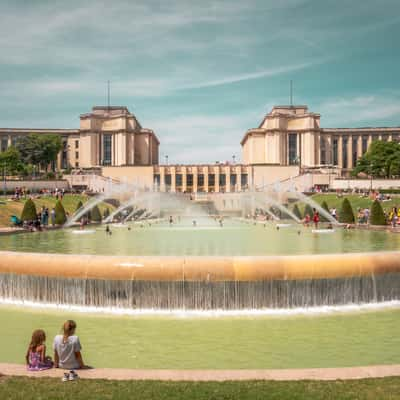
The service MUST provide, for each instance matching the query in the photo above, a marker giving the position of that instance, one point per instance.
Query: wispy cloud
(345, 111)
(248, 76)
(189, 138)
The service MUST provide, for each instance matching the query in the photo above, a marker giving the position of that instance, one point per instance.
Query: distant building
(292, 135)
(288, 141)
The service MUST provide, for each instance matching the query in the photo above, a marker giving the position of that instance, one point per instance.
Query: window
(200, 180)
(243, 180)
(107, 147)
(178, 180)
(335, 151)
(4, 143)
(385, 138)
(293, 149)
(77, 154)
(364, 144)
(354, 142)
(76, 164)
(323, 151)
(157, 180)
(233, 180)
(222, 180)
(167, 180)
(77, 144)
(211, 179)
(14, 140)
(345, 140)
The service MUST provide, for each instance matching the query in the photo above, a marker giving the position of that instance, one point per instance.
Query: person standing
(53, 216)
(316, 218)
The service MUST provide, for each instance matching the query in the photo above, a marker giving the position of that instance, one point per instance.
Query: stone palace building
(288, 142)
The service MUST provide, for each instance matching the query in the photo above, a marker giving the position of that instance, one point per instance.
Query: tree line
(31, 154)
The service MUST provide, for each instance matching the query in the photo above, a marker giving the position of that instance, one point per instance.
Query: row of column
(329, 148)
(195, 186)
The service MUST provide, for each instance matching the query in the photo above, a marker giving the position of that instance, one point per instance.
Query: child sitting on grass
(67, 348)
(36, 359)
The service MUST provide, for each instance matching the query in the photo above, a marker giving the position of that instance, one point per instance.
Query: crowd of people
(44, 219)
(22, 193)
(67, 352)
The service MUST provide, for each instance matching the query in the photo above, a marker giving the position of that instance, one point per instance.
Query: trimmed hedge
(61, 217)
(96, 215)
(377, 216)
(29, 212)
(308, 210)
(106, 213)
(78, 206)
(296, 211)
(324, 205)
(346, 214)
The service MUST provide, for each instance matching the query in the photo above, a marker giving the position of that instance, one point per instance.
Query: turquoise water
(206, 238)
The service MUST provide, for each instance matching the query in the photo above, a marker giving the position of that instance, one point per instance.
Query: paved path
(375, 371)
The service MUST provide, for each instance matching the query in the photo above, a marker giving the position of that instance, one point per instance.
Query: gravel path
(373, 371)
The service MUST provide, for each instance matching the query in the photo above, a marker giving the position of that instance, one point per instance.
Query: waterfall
(201, 295)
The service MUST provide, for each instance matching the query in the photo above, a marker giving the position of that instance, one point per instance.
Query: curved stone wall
(191, 268)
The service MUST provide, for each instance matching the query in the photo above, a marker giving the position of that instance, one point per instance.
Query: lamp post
(4, 178)
(371, 170)
(166, 159)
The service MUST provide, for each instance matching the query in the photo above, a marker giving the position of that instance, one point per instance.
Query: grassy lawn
(13, 207)
(154, 342)
(54, 389)
(356, 201)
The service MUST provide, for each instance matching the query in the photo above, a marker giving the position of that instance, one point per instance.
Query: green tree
(308, 210)
(377, 216)
(346, 214)
(95, 214)
(381, 160)
(29, 212)
(296, 211)
(10, 161)
(324, 205)
(61, 217)
(39, 150)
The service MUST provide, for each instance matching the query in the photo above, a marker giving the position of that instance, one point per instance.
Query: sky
(199, 73)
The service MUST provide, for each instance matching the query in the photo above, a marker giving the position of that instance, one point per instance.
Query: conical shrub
(96, 215)
(61, 218)
(29, 212)
(346, 215)
(324, 205)
(296, 211)
(308, 210)
(106, 213)
(377, 216)
(78, 206)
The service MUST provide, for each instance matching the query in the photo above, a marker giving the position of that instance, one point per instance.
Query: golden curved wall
(191, 268)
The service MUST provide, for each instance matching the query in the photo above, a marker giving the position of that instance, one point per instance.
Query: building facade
(287, 142)
(107, 136)
(292, 135)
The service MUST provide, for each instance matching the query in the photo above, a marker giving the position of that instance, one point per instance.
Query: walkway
(375, 371)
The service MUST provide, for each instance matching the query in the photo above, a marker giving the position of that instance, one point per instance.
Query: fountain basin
(201, 282)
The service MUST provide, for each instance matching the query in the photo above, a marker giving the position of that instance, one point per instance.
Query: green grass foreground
(54, 389)
(151, 342)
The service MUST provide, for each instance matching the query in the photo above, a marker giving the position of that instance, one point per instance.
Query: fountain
(202, 260)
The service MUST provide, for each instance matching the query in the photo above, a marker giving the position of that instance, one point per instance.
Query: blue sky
(200, 73)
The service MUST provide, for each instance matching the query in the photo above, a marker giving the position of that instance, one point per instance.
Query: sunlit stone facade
(292, 135)
(288, 141)
(107, 136)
